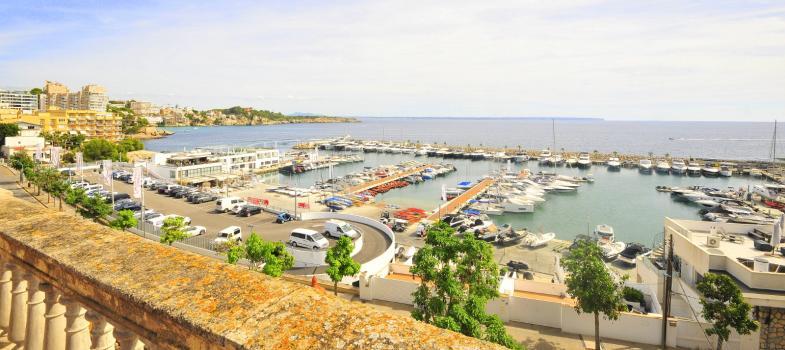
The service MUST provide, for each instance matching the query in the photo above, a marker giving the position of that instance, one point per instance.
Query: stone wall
(772, 328)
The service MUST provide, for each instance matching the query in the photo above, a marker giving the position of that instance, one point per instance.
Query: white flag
(444, 193)
(137, 177)
(54, 157)
(79, 162)
(107, 164)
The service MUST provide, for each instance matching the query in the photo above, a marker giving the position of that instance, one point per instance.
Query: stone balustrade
(67, 283)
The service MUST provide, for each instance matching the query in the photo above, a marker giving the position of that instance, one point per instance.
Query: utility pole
(666, 295)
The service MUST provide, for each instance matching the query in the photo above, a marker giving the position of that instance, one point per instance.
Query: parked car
(231, 233)
(117, 173)
(118, 196)
(338, 228)
(164, 189)
(147, 212)
(125, 177)
(248, 210)
(186, 220)
(127, 204)
(155, 219)
(195, 231)
(80, 184)
(306, 238)
(236, 209)
(227, 203)
(204, 198)
(283, 217)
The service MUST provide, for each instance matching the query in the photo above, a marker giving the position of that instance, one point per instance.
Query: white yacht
(678, 167)
(694, 169)
(614, 164)
(663, 167)
(645, 166)
(571, 162)
(545, 157)
(711, 170)
(534, 240)
(604, 234)
(514, 206)
(584, 160)
(726, 170)
(520, 157)
(557, 160)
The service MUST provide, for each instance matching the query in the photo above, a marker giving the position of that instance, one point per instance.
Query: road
(375, 242)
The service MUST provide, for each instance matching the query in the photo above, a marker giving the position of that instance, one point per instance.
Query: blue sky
(622, 60)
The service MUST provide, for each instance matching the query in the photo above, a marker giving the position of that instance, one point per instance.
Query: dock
(459, 201)
(384, 180)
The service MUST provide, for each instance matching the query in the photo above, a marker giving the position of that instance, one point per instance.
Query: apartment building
(19, 100)
(92, 124)
(246, 160)
(90, 97)
(144, 108)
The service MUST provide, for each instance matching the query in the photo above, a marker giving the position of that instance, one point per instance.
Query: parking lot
(375, 242)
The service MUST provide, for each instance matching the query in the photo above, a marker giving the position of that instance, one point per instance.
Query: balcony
(67, 283)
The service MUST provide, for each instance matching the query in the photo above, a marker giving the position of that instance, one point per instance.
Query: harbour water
(625, 200)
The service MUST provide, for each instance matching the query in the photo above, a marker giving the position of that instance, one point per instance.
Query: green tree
(234, 251)
(592, 286)
(458, 277)
(8, 130)
(97, 149)
(129, 145)
(173, 230)
(58, 189)
(254, 250)
(340, 262)
(724, 306)
(73, 141)
(74, 196)
(22, 162)
(94, 208)
(125, 220)
(36, 91)
(276, 259)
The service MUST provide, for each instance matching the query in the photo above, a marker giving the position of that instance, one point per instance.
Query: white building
(19, 100)
(246, 160)
(211, 166)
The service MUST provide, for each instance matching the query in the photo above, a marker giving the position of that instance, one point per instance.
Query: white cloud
(461, 58)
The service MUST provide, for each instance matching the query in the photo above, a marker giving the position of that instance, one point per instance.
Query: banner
(444, 193)
(137, 178)
(54, 157)
(107, 165)
(39, 153)
(79, 162)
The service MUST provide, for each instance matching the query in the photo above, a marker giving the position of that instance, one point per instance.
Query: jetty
(459, 201)
(384, 180)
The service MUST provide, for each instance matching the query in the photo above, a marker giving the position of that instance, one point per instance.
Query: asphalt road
(375, 242)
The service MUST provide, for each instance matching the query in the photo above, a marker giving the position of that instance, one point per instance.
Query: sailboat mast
(774, 144)
(553, 130)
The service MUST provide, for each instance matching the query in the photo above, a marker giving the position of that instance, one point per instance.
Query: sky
(619, 60)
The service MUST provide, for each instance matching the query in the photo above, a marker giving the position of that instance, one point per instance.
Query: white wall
(534, 311)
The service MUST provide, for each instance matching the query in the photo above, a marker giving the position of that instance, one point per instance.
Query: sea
(626, 200)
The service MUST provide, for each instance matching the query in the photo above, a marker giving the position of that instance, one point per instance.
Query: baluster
(5, 298)
(54, 328)
(17, 332)
(77, 336)
(127, 339)
(101, 335)
(34, 338)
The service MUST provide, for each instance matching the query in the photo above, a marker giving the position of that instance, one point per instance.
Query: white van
(338, 228)
(228, 203)
(231, 233)
(305, 238)
(93, 187)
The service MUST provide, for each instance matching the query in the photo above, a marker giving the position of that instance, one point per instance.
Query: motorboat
(678, 167)
(510, 206)
(614, 164)
(520, 158)
(645, 166)
(545, 157)
(508, 236)
(726, 170)
(711, 170)
(610, 251)
(421, 152)
(557, 160)
(584, 160)
(571, 162)
(534, 240)
(605, 234)
(694, 169)
(630, 254)
(663, 167)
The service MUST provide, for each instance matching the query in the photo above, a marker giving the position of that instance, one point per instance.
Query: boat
(614, 164)
(534, 240)
(421, 152)
(726, 170)
(645, 166)
(678, 167)
(605, 234)
(630, 254)
(510, 206)
(584, 160)
(610, 251)
(663, 167)
(508, 236)
(694, 169)
(557, 160)
(711, 170)
(520, 157)
(571, 162)
(545, 157)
